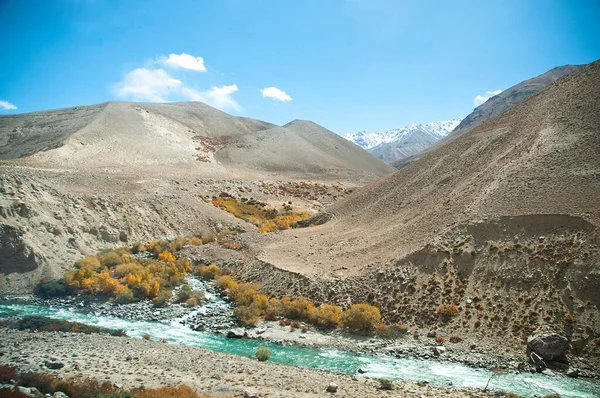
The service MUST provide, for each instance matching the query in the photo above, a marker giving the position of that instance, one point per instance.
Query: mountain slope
(78, 180)
(498, 104)
(397, 144)
(178, 136)
(507, 213)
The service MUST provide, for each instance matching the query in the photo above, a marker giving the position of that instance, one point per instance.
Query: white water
(438, 373)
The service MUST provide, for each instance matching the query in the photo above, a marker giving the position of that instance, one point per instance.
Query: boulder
(573, 372)
(250, 393)
(332, 387)
(236, 333)
(551, 347)
(437, 351)
(54, 364)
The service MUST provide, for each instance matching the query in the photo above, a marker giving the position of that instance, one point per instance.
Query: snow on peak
(368, 140)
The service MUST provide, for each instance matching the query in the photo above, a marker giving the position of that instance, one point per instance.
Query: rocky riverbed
(216, 315)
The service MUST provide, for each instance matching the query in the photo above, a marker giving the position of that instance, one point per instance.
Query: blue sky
(346, 64)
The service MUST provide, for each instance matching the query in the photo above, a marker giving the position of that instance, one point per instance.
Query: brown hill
(191, 138)
(496, 105)
(78, 180)
(507, 213)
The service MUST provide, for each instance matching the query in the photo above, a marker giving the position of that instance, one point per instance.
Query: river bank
(444, 374)
(135, 362)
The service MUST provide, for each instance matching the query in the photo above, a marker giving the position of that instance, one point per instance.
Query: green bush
(44, 324)
(263, 354)
(186, 293)
(162, 299)
(385, 384)
(53, 288)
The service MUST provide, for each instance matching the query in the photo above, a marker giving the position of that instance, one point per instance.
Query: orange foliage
(329, 316)
(166, 256)
(361, 317)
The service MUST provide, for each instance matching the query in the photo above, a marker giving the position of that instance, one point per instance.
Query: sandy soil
(133, 362)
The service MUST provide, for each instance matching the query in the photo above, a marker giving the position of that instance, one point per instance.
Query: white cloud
(276, 94)
(156, 85)
(219, 97)
(7, 105)
(143, 84)
(480, 99)
(183, 61)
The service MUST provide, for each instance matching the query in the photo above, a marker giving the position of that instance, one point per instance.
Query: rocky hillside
(78, 180)
(396, 144)
(491, 236)
(498, 104)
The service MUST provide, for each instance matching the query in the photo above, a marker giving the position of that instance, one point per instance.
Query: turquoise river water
(411, 369)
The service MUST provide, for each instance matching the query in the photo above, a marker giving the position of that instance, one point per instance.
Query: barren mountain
(81, 179)
(503, 222)
(191, 138)
(498, 104)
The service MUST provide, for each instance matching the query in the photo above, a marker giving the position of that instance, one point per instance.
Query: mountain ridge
(391, 145)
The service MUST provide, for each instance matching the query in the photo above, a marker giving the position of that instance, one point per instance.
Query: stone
(60, 394)
(573, 373)
(236, 333)
(250, 393)
(332, 387)
(548, 372)
(437, 351)
(31, 391)
(54, 364)
(361, 371)
(551, 347)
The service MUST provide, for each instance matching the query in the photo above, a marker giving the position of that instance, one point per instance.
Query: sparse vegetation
(44, 324)
(263, 354)
(91, 388)
(254, 212)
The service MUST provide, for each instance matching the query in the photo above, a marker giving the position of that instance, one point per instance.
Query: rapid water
(438, 373)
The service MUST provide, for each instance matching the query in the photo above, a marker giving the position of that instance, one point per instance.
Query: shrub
(186, 293)
(248, 314)
(194, 241)
(263, 354)
(8, 373)
(124, 297)
(147, 337)
(455, 339)
(162, 299)
(329, 316)
(569, 319)
(44, 324)
(448, 311)
(209, 272)
(399, 328)
(109, 259)
(166, 256)
(385, 384)
(53, 288)
(89, 262)
(226, 282)
(361, 317)
(298, 308)
(12, 392)
(273, 310)
(166, 392)
(439, 339)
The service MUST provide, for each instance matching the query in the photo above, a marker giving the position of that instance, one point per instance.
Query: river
(412, 369)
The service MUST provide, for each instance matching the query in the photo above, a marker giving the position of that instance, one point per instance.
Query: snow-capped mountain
(396, 144)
